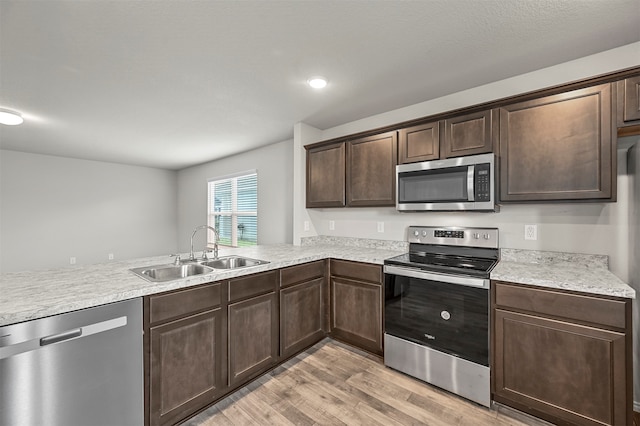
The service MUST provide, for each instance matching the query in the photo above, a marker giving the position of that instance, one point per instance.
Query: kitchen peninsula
(30, 295)
(297, 277)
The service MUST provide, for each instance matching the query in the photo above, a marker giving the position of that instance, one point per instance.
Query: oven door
(444, 312)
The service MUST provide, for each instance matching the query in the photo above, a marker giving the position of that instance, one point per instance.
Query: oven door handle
(449, 279)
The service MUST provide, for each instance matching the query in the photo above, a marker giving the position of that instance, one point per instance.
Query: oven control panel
(441, 233)
(454, 236)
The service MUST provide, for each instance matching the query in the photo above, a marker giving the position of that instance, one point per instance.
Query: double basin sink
(162, 273)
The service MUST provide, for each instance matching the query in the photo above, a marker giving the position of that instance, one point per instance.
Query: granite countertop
(567, 271)
(28, 295)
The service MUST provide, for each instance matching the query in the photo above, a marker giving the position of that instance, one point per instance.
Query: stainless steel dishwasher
(80, 368)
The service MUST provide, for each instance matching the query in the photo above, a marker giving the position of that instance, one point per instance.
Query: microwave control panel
(483, 182)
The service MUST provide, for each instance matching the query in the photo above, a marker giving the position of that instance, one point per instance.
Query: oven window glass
(450, 318)
(445, 185)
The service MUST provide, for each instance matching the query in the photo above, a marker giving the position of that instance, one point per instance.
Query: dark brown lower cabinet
(303, 293)
(253, 327)
(204, 342)
(563, 357)
(356, 304)
(186, 353)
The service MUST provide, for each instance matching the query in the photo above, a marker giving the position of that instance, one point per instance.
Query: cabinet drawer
(357, 270)
(180, 303)
(301, 273)
(578, 307)
(253, 285)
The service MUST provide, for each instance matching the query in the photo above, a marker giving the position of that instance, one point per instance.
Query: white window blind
(233, 209)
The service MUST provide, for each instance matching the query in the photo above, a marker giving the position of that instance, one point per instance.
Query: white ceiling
(170, 84)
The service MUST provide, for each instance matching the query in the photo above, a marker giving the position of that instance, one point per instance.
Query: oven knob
(445, 315)
(487, 236)
(476, 235)
(424, 233)
(416, 233)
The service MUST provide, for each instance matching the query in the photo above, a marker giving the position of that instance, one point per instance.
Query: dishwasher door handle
(9, 350)
(60, 337)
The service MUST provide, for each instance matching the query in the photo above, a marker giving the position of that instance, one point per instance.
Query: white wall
(52, 208)
(600, 228)
(274, 165)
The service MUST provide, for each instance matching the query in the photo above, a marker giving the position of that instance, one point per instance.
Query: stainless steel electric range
(437, 308)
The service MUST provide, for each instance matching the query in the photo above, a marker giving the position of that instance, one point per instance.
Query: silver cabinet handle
(49, 340)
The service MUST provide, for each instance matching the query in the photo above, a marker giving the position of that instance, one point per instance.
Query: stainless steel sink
(162, 273)
(233, 262)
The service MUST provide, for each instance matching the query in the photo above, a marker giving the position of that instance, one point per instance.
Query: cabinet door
(356, 313)
(301, 316)
(558, 148)
(560, 371)
(253, 337)
(371, 170)
(469, 134)
(629, 102)
(186, 366)
(326, 176)
(419, 143)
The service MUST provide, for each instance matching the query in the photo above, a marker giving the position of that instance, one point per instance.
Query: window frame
(234, 213)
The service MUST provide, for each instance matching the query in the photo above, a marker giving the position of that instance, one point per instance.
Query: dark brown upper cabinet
(628, 104)
(419, 143)
(371, 170)
(468, 134)
(326, 176)
(559, 148)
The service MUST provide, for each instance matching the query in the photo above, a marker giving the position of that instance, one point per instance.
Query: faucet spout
(215, 243)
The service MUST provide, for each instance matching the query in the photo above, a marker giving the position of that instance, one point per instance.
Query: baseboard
(636, 418)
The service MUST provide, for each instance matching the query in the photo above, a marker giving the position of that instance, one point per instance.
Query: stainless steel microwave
(463, 183)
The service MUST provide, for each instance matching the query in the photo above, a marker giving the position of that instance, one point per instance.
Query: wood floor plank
(334, 401)
(254, 404)
(333, 384)
(421, 415)
(279, 385)
(365, 399)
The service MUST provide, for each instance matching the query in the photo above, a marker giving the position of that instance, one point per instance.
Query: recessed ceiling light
(317, 82)
(9, 117)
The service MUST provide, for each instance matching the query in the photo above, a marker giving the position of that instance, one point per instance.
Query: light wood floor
(333, 384)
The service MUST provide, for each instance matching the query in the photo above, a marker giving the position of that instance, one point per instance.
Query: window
(233, 209)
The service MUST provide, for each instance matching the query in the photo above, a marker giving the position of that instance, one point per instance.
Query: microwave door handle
(470, 187)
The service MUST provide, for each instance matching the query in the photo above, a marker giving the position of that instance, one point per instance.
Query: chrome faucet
(204, 252)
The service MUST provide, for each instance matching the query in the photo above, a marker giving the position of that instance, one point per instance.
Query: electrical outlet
(72, 260)
(332, 225)
(110, 256)
(380, 227)
(306, 225)
(531, 232)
